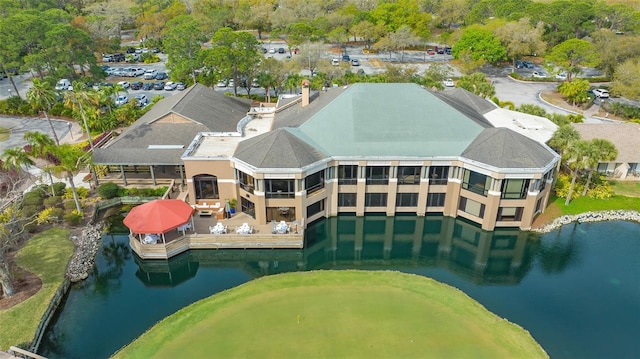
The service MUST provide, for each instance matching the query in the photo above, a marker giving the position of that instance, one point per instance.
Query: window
(472, 207)
(248, 207)
(436, 199)
(539, 205)
(314, 182)
(348, 174)
(438, 174)
(246, 181)
(406, 199)
(279, 188)
(510, 214)
(377, 175)
(408, 175)
(375, 200)
(315, 208)
(347, 199)
(514, 188)
(206, 187)
(476, 182)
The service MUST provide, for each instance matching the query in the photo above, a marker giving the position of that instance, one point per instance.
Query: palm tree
(267, 80)
(563, 137)
(576, 156)
(16, 159)
(40, 96)
(71, 161)
(41, 145)
(600, 150)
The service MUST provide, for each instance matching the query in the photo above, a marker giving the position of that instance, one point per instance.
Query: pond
(576, 290)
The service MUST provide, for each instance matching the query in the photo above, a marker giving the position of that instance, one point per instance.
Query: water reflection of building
(371, 242)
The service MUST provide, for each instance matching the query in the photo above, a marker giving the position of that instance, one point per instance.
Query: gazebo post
(163, 241)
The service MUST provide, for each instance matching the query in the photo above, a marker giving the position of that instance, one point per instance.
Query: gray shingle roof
(207, 111)
(504, 148)
(625, 136)
(277, 149)
(458, 97)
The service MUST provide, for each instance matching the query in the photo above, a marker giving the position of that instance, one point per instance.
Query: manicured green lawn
(4, 134)
(626, 188)
(336, 314)
(586, 204)
(46, 255)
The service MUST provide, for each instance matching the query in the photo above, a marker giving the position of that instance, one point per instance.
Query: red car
(431, 52)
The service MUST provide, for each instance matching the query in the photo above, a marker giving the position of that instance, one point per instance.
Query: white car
(121, 100)
(561, 76)
(448, 83)
(539, 75)
(149, 74)
(124, 84)
(335, 62)
(272, 50)
(142, 100)
(63, 84)
(601, 93)
(221, 84)
(170, 86)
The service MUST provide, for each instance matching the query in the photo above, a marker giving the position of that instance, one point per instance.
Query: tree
(576, 155)
(477, 84)
(563, 138)
(614, 50)
(369, 32)
(626, 79)
(575, 91)
(572, 54)
(481, 44)
(71, 161)
(451, 12)
(435, 74)
(598, 150)
(234, 54)
(520, 38)
(41, 95)
(403, 38)
(12, 232)
(40, 144)
(271, 75)
(182, 42)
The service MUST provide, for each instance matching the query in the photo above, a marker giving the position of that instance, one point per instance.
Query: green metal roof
(390, 120)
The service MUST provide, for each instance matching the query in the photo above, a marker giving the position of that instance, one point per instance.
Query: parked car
(447, 50)
(121, 100)
(170, 86)
(335, 62)
(149, 74)
(158, 85)
(147, 86)
(118, 57)
(63, 84)
(539, 75)
(155, 50)
(528, 64)
(519, 64)
(108, 58)
(124, 84)
(355, 62)
(346, 58)
(431, 52)
(135, 72)
(221, 84)
(254, 83)
(272, 50)
(264, 50)
(105, 84)
(142, 100)
(136, 85)
(448, 82)
(440, 50)
(231, 83)
(561, 76)
(131, 50)
(161, 76)
(601, 93)
(281, 50)
(180, 86)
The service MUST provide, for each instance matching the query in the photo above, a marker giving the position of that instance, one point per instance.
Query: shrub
(56, 214)
(58, 188)
(563, 184)
(69, 205)
(55, 201)
(601, 188)
(33, 198)
(29, 211)
(81, 191)
(44, 216)
(108, 190)
(72, 218)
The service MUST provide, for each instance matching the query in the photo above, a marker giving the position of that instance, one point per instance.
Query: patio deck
(199, 237)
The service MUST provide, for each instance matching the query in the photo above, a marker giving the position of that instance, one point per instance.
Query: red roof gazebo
(158, 217)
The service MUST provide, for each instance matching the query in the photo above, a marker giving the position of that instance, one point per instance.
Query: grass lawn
(45, 255)
(586, 204)
(336, 314)
(626, 188)
(4, 134)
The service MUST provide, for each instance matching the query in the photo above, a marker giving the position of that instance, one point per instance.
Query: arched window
(206, 187)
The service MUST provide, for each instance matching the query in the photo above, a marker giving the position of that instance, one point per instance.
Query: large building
(373, 148)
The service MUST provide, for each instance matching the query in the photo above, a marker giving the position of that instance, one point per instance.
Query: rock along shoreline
(632, 216)
(87, 245)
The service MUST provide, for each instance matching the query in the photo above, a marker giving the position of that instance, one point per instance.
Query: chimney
(305, 92)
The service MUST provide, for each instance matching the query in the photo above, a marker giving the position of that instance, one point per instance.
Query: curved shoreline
(614, 215)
